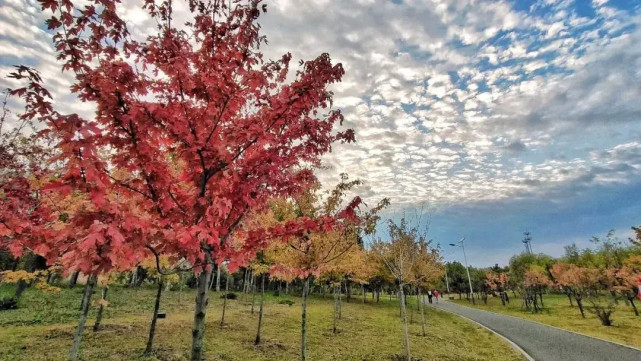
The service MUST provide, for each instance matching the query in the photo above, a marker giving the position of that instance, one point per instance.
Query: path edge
(558, 328)
(510, 342)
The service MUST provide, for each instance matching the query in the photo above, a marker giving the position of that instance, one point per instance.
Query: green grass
(42, 329)
(558, 313)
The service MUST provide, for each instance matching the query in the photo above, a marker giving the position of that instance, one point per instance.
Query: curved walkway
(544, 343)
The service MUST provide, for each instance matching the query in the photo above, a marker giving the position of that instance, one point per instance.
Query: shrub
(8, 303)
(286, 302)
(230, 296)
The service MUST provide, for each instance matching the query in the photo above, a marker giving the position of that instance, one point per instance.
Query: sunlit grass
(42, 330)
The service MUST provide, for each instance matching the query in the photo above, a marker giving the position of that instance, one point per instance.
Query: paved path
(544, 343)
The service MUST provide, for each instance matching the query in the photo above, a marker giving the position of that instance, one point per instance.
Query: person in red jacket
(436, 295)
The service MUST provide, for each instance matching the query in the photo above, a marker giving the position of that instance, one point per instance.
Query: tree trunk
(579, 303)
(406, 335)
(86, 300)
(74, 279)
(348, 290)
(222, 319)
(303, 350)
(363, 291)
(154, 318)
(22, 286)
(421, 308)
(335, 308)
(254, 296)
(570, 298)
(212, 280)
(634, 307)
(260, 312)
(541, 297)
(218, 278)
(244, 282)
(200, 311)
(340, 301)
(96, 325)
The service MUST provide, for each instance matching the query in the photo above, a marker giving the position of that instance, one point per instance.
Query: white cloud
(452, 101)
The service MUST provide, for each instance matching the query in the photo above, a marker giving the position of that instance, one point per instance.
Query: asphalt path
(544, 343)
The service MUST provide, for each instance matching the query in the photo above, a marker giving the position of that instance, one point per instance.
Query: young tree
(164, 273)
(314, 253)
(401, 257)
(206, 127)
(573, 279)
(498, 283)
(535, 281)
(427, 271)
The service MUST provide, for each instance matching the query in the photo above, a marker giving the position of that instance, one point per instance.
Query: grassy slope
(42, 330)
(557, 312)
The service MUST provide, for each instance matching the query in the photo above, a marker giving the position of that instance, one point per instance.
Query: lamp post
(447, 283)
(461, 244)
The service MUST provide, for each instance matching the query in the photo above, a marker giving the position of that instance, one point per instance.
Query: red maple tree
(193, 129)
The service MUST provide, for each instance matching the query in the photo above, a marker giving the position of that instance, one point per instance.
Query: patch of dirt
(269, 346)
(397, 357)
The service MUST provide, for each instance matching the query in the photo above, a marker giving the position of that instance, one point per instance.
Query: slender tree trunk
(570, 298)
(348, 290)
(74, 279)
(200, 311)
(406, 335)
(218, 277)
(363, 290)
(244, 282)
(260, 312)
(541, 297)
(212, 280)
(634, 307)
(286, 288)
(579, 303)
(254, 296)
(22, 286)
(303, 350)
(340, 302)
(335, 308)
(86, 300)
(154, 318)
(421, 308)
(222, 319)
(96, 325)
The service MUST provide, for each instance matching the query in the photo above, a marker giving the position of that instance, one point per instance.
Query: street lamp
(461, 244)
(447, 283)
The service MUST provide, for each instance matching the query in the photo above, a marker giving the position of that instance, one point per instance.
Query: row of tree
(602, 275)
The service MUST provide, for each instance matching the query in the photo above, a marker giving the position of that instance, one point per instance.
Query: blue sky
(497, 116)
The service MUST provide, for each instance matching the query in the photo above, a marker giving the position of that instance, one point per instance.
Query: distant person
(429, 296)
(436, 295)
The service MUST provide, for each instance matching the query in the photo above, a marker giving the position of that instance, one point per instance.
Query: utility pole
(527, 241)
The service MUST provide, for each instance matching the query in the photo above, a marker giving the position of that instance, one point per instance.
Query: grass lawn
(42, 329)
(557, 312)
